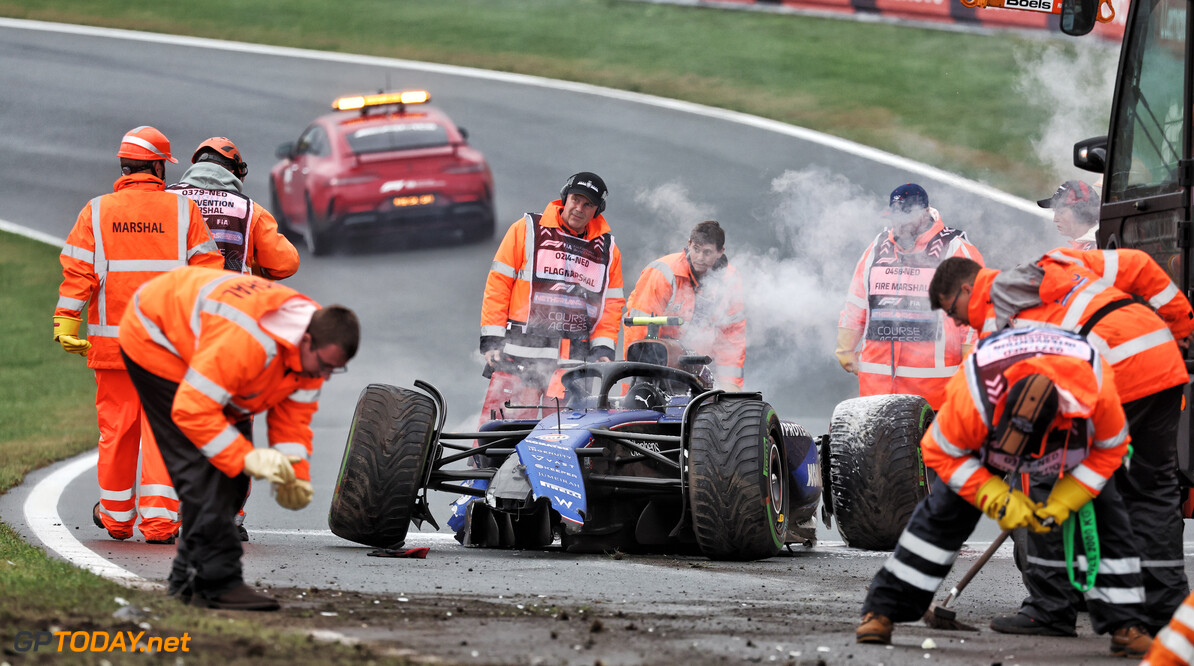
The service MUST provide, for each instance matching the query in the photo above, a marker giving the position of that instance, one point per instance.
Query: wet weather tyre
(389, 446)
(875, 467)
(737, 480)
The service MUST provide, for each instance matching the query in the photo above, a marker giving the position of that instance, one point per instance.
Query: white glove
(270, 465)
(294, 495)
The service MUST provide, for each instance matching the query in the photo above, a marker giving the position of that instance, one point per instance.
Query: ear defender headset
(587, 176)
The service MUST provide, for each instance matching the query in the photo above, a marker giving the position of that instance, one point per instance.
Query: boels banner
(1028, 14)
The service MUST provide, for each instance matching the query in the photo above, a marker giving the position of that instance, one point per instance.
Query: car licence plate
(413, 200)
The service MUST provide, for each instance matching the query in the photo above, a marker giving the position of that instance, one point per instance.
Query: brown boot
(875, 628)
(241, 597)
(1131, 642)
(119, 535)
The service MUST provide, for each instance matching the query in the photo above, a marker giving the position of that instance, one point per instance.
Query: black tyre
(875, 468)
(483, 230)
(737, 480)
(275, 207)
(318, 243)
(384, 461)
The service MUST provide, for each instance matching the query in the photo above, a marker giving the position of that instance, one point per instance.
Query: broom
(939, 615)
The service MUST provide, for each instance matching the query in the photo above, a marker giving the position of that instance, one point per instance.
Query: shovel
(940, 615)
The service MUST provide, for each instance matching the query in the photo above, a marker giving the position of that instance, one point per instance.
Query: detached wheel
(738, 480)
(384, 461)
(875, 467)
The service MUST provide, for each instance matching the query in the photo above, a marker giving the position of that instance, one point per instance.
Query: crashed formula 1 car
(643, 455)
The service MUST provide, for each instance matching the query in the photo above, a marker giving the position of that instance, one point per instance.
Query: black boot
(1030, 626)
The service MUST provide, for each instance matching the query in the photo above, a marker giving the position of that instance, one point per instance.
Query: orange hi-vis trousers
(125, 436)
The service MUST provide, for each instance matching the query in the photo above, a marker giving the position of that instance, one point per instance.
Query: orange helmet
(145, 143)
(222, 151)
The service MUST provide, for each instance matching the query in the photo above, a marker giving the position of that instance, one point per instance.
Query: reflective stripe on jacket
(1065, 288)
(1174, 645)
(202, 328)
(952, 445)
(508, 292)
(712, 308)
(921, 368)
(119, 241)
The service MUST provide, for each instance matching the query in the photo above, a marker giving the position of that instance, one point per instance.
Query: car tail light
(467, 167)
(352, 180)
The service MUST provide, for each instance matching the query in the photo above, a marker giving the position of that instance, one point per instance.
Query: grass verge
(945, 98)
(47, 412)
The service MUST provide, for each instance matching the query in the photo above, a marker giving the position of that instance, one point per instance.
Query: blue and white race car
(644, 455)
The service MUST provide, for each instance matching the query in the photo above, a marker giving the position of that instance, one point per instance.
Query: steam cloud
(820, 221)
(1073, 82)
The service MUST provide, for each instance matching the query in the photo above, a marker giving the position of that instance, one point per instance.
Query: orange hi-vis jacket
(1174, 645)
(1065, 288)
(119, 241)
(975, 399)
(507, 310)
(907, 347)
(712, 308)
(203, 329)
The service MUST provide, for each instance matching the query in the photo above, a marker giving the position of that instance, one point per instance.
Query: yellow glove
(1010, 508)
(270, 465)
(1068, 495)
(847, 349)
(294, 495)
(66, 333)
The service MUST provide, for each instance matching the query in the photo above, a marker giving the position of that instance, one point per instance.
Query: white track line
(41, 514)
(14, 228)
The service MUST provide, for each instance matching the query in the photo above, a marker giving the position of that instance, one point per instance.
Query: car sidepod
(804, 466)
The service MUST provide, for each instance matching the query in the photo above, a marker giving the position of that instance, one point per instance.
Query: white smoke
(797, 274)
(1073, 82)
(674, 213)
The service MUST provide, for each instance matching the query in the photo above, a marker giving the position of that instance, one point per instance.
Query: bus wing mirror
(1091, 154)
(1078, 16)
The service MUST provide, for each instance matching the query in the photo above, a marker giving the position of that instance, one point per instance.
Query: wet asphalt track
(69, 97)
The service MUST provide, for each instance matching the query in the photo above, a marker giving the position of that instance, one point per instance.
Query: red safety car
(381, 164)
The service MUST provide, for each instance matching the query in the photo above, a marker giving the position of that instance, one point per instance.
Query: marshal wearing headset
(554, 292)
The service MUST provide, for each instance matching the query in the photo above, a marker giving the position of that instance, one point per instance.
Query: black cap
(590, 185)
(908, 197)
(1074, 193)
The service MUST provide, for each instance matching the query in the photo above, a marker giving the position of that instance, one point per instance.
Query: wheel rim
(775, 466)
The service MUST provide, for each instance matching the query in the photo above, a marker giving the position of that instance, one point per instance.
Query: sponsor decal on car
(405, 185)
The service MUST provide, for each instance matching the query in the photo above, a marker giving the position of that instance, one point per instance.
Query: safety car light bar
(363, 101)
